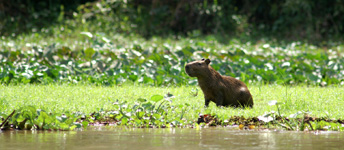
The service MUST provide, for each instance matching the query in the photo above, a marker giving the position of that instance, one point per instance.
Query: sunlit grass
(321, 102)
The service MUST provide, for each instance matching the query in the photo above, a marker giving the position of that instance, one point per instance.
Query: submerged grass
(185, 106)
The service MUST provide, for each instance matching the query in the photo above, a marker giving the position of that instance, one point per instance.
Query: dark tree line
(290, 18)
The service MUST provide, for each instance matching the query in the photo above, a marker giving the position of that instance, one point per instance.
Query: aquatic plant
(103, 62)
(303, 123)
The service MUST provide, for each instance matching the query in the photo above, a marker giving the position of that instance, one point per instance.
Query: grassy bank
(184, 107)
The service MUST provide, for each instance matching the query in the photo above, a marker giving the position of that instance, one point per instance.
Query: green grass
(321, 102)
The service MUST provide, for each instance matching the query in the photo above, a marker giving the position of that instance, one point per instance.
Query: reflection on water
(209, 138)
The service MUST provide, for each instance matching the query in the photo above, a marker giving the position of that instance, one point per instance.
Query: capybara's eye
(199, 64)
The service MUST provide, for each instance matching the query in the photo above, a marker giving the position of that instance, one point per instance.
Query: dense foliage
(106, 63)
(289, 19)
(17, 16)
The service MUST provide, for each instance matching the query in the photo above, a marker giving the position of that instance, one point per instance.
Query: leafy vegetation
(104, 62)
(303, 123)
(29, 117)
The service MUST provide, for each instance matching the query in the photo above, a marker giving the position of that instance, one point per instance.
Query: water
(181, 139)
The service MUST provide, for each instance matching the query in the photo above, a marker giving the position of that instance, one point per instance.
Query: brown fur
(222, 90)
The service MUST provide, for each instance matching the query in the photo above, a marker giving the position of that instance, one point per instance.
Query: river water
(169, 139)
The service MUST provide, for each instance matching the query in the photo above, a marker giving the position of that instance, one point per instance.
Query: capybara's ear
(202, 59)
(207, 61)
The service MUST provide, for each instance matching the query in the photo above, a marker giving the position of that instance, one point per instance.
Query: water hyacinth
(103, 62)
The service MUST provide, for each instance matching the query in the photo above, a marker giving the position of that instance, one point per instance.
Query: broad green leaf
(141, 100)
(157, 98)
(85, 124)
(88, 34)
(140, 114)
(156, 116)
(124, 121)
(78, 125)
(20, 118)
(89, 52)
(64, 126)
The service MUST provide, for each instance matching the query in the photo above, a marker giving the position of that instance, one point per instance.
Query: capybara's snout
(188, 70)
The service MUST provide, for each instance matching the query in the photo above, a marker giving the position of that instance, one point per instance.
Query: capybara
(222, 90)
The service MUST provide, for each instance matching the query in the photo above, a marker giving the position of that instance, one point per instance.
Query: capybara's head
(197, 68)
